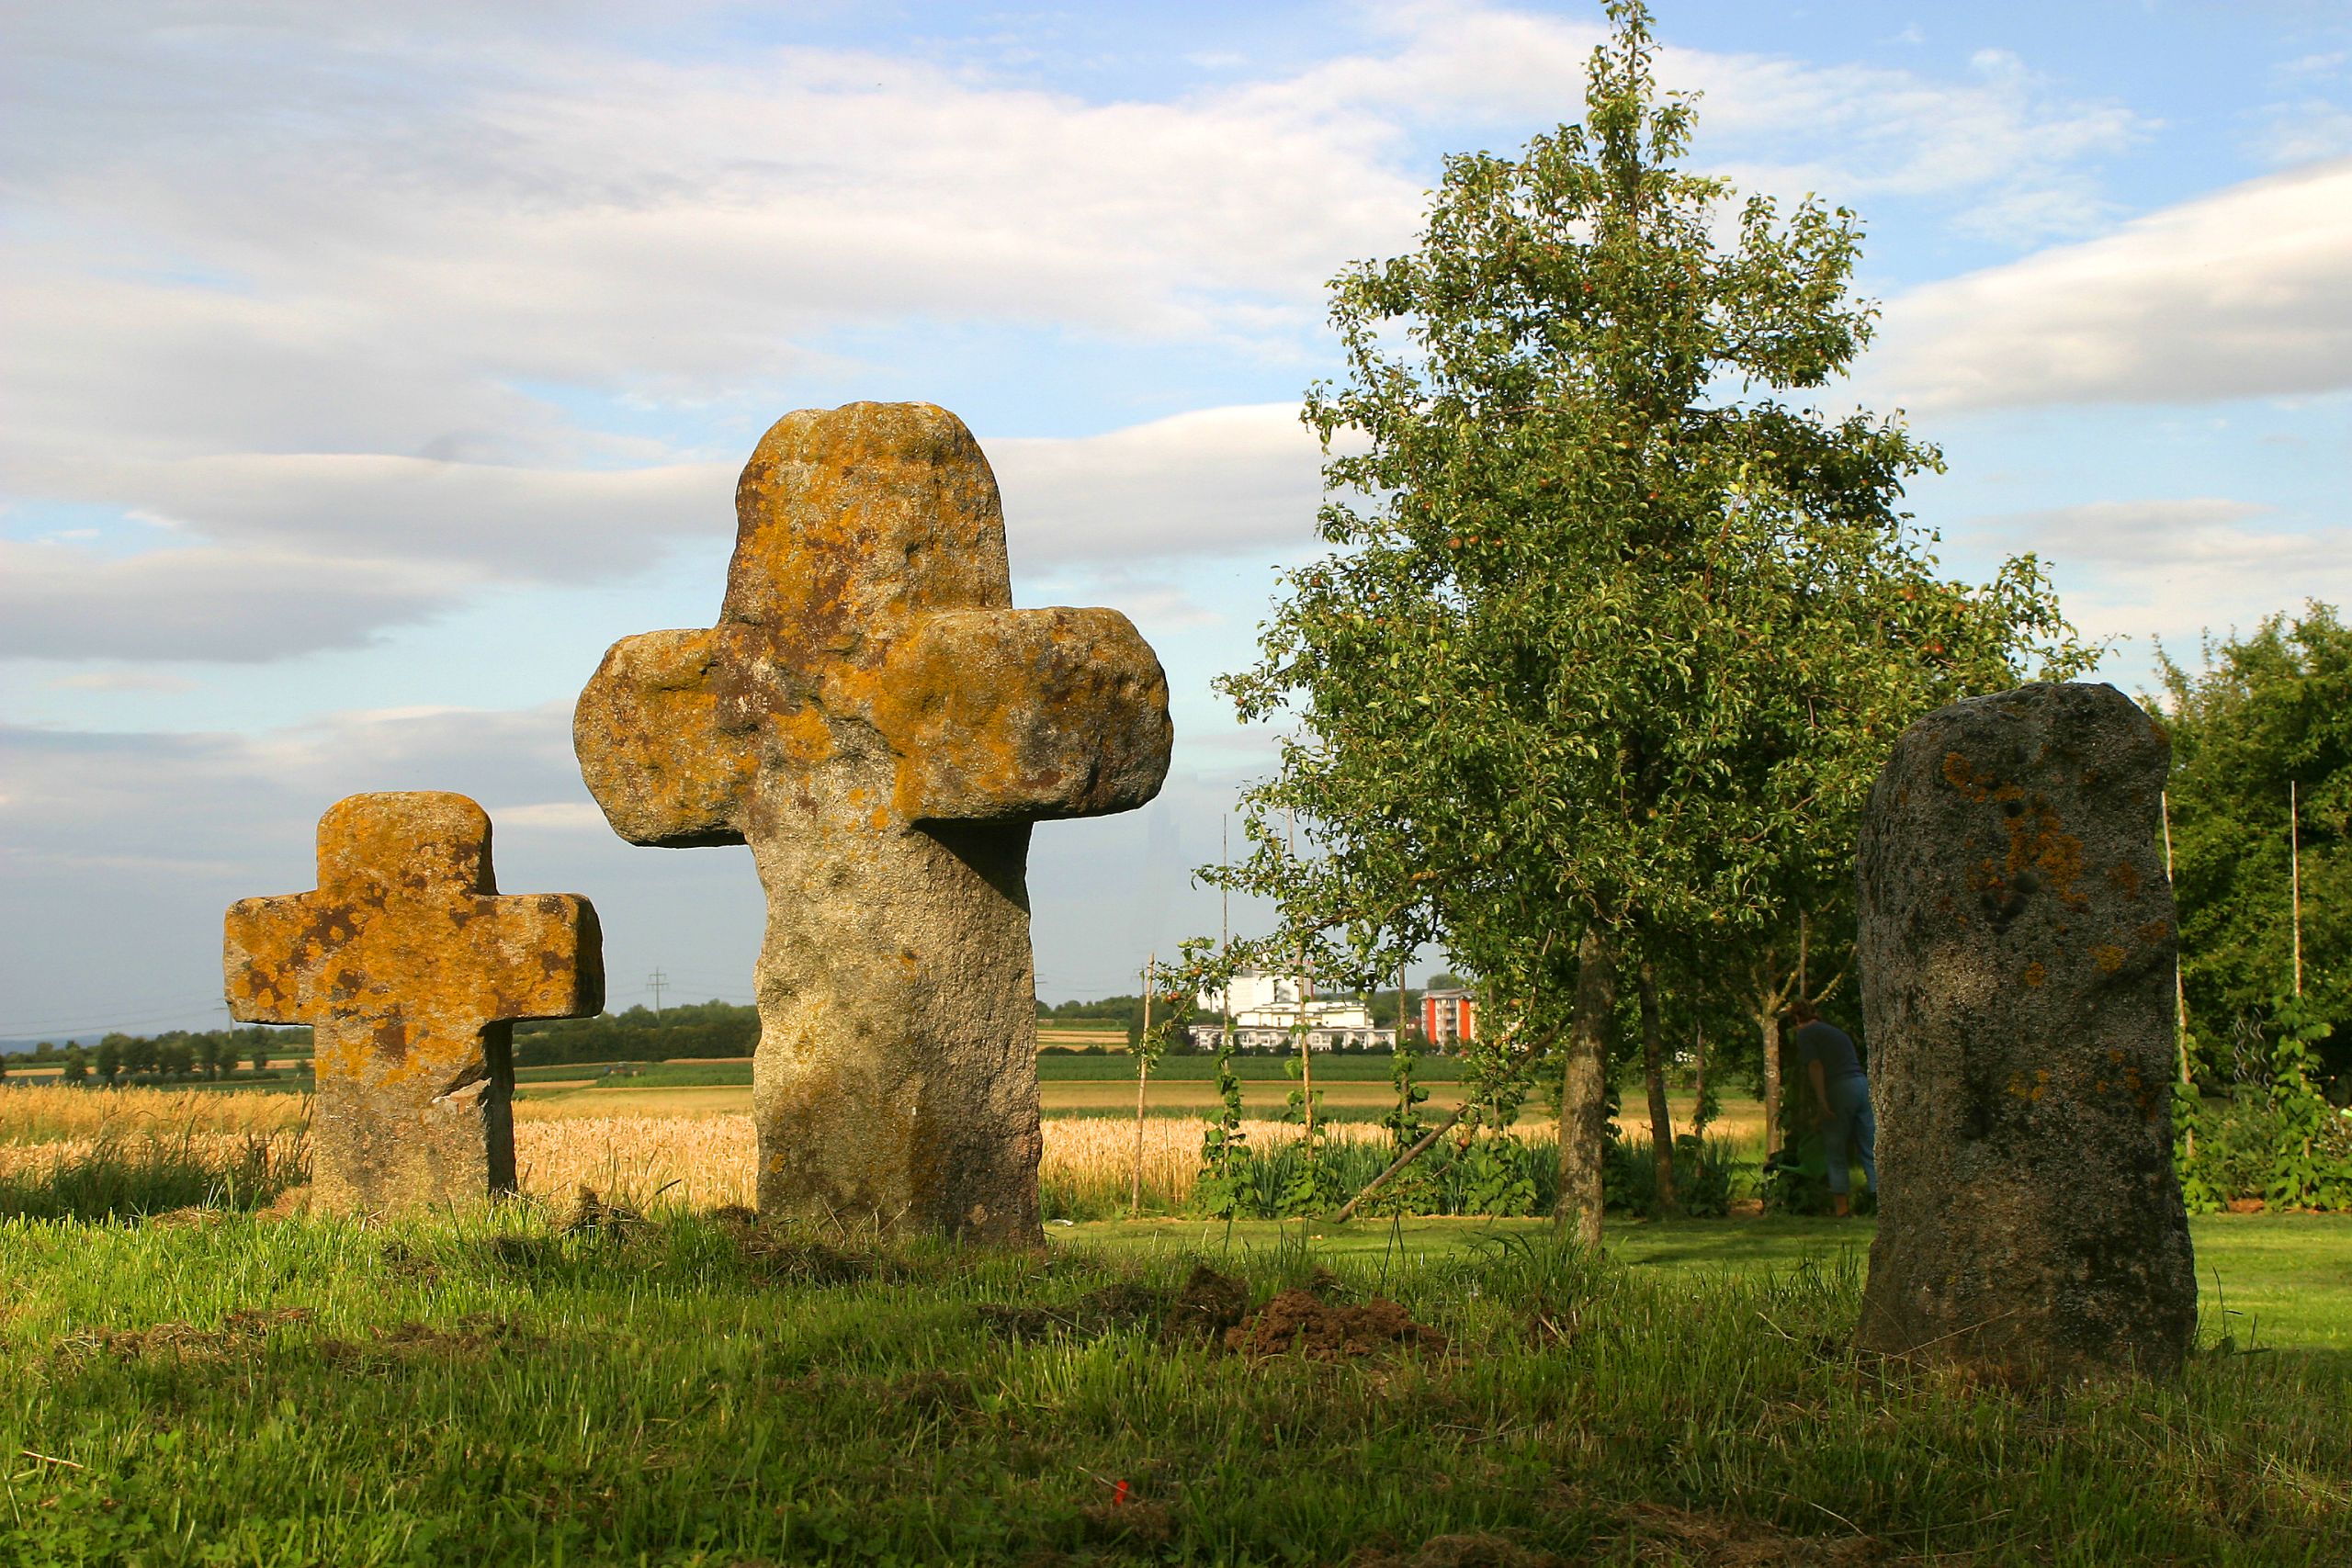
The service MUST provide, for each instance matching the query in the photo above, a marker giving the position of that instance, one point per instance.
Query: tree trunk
(1699, 1083)
(1653, 1068)
(1768, 1024)
(1584, 1087)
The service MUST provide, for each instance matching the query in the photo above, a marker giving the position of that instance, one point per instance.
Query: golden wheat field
(708, 1160)
(678, 1146)
(49, 1114)
(700, 1161)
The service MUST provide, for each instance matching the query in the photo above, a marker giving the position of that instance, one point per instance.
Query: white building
(1268, 1009)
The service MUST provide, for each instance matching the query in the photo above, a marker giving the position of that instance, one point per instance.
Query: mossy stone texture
(2017, 948)
(874, 718)
(411, 968)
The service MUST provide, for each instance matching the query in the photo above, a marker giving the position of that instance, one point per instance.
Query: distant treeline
(180, 1053)
(696, 1028)
(702, 1030)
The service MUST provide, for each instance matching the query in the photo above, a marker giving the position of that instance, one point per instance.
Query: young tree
(1612, 640)
(2267, 714)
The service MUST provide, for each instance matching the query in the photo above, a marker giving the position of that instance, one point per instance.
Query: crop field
(615, 1136)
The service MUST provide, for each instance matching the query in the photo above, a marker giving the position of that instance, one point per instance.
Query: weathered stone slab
(2016, 949)
(874, 718)
(411, 968)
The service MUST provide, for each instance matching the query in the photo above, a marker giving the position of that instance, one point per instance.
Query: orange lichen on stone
(2030, 1223)
(409, 965)
(882, 727)
(2037, 842)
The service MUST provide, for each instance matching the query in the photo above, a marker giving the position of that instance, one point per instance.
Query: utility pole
(656, 982)
(2295, 876)
(2179, 986)
(1143, 1077)
(1224, 924)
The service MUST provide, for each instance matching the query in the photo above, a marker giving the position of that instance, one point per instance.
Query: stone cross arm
(407, 931)
(993, 714)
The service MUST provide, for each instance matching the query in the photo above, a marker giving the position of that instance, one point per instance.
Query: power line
(15, 1032)
(654, 983)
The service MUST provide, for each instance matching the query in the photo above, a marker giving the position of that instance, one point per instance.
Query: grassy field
(693, 1390)
(234, 1381)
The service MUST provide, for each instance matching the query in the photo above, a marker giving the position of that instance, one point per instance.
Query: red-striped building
(1448, 1018)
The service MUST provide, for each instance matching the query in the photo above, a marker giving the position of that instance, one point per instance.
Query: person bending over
(1842, 1094)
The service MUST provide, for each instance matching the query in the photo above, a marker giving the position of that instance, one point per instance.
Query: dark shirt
(1832, 1047)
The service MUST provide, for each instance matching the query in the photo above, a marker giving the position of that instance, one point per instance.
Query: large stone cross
(874, 718)
(410, 968)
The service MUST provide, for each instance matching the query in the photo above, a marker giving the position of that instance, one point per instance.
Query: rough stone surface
(411, 968)
(874, 718)
(2016, 954)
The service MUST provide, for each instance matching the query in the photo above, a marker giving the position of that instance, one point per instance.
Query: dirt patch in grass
(240, 1334)
(471, 1338)
(1662, 1534)
(1301, 1322)
(1474, 1551)
(1122, 1305)
(1209, 1303)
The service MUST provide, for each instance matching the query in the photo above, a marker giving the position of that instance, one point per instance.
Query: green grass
(495, 1390)
(127, 1179)
(2265, 1282)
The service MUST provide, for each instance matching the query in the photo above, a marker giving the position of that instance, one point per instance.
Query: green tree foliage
(2271, 1069)
(695, 1029)
(2264, 711)
(1612, 638)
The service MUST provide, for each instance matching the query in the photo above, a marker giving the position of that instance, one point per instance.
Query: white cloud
(200, 602)
(2173, 567)
(2235, 295)
(287, 555)
(341, 363)
(1208, 482)
(525, 523)
(471, 214)
(123, 680)
(2306, 130)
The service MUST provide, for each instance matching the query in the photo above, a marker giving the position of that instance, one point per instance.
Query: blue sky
(369, 370)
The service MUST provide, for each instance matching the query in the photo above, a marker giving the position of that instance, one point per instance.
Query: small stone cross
(411, 968)
(875, 719)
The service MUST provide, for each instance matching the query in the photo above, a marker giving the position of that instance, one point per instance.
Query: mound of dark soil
(1209, 1303)
(1300, 1322)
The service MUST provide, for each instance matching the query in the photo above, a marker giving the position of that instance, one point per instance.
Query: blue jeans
(1851, 1133)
